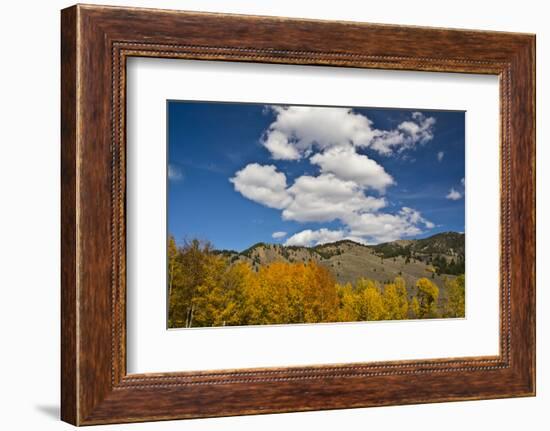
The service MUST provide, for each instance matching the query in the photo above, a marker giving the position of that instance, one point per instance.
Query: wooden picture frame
(95, 43)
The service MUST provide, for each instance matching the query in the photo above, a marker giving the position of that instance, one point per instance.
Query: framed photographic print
(267, 215)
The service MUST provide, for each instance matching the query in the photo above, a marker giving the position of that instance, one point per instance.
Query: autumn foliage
(205, 289)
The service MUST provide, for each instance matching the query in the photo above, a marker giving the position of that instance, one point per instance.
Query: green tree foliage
(453, 267)
(207, 288)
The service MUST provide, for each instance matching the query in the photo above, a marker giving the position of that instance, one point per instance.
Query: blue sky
(239, 174)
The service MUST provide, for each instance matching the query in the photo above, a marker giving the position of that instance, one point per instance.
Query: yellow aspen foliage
(455, 304)
(212, 305)
(186, 271)
(349, 305)
(320, 297)
(205, 288)
(414, 308)
(428, 294)
(395, 300)
(174, 281)
(281, 293)
(371, 304)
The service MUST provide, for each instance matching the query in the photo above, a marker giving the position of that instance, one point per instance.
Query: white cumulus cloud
(326, 198)
(454, 194)
(406, 136)
(262, 184)
(297, 130)
(414, 217)
(334, 140)
(384, 227)
(347, 164)
(367, 228)
(304, 127)
(310, 237)
(279, 146)
(278, 235)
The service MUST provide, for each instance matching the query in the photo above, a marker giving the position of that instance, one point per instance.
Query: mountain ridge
(438, 257)
(399, 243)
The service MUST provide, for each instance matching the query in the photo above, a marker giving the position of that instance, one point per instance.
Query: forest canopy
(206, 289)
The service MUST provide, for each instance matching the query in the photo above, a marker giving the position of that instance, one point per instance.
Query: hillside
(436, 257)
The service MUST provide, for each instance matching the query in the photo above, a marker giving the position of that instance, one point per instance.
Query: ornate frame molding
(96, 41)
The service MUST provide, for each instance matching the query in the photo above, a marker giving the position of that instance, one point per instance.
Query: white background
(29, 217)
(151, 348)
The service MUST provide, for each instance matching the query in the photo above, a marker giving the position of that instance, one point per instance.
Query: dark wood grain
(96, 41)
(69, 367)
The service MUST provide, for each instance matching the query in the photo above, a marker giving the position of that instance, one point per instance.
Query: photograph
(276, 210)
(295, 214)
